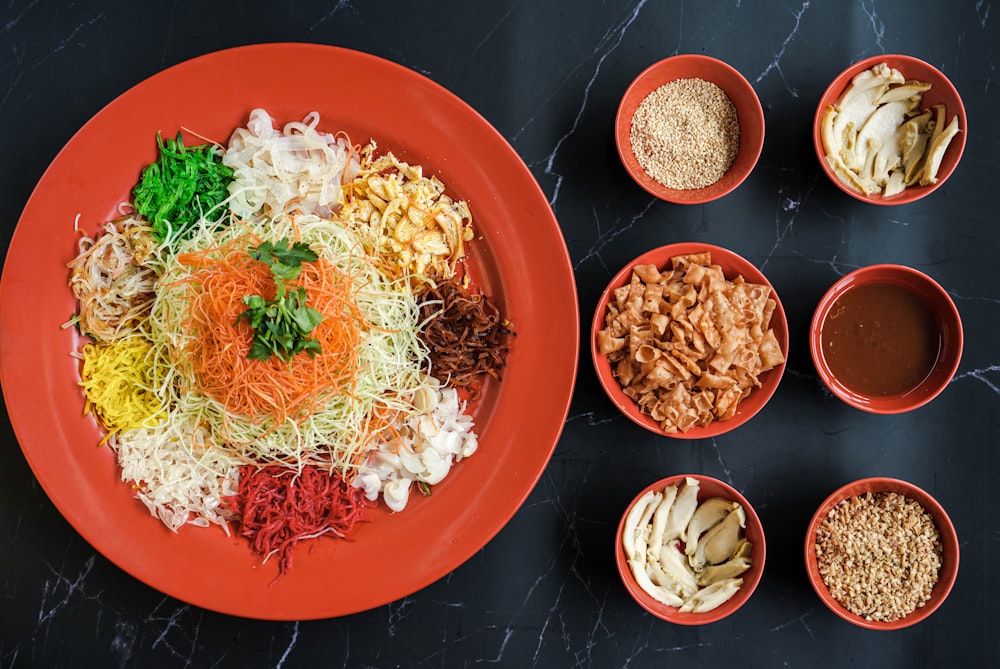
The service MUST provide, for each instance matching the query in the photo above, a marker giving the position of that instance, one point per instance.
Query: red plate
(519, 257)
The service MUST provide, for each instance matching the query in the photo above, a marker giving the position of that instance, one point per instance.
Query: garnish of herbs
(281, 326)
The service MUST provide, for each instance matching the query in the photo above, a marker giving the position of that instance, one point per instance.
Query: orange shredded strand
(218, 348)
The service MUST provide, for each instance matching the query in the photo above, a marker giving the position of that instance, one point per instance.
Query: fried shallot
(465, 333)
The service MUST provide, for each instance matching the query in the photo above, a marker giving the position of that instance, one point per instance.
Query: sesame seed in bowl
(689, 129)
(686, 133)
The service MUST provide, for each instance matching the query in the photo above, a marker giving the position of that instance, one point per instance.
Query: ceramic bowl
(943, 312)
(732, 266)
(948, 539)
(941, 91)
(707, 487)
(739, 91)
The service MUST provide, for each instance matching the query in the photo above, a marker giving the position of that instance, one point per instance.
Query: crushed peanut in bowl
(881, 553)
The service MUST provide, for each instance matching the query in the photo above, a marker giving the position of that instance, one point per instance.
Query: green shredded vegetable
(183, 185)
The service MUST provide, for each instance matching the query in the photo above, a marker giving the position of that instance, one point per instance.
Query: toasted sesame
(686, 134)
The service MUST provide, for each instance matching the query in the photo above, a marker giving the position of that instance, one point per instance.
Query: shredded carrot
(219, 346)
(278, 507)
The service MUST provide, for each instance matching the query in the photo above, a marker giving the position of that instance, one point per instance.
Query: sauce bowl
(946, 329)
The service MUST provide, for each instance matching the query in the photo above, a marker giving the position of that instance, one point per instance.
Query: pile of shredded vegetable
(280, 507)
(115, 379)
(227, 246)
(217, 282)
(183, 186)
(112, 279)
(466, 334)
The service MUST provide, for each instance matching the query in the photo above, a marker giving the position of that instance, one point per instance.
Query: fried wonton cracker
(686, 344)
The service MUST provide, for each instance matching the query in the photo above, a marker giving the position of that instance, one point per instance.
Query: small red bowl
(732, 265)
(943, 311)
(754, 532)
(735, 86)
(949, 550)
(941, 91)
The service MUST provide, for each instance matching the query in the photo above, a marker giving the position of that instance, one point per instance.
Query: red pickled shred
(278, 507)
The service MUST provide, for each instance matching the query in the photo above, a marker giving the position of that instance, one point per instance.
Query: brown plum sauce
(880, 339)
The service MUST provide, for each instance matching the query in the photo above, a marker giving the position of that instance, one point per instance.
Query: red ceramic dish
(949, 330)
(732, 266)
(754, 532)
(739, 90)
(941, 91)
(519, 420)
(949, 549)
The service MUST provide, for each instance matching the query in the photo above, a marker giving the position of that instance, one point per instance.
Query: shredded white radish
(181, 478)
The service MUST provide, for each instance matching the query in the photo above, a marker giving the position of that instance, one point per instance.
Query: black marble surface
(548, 75)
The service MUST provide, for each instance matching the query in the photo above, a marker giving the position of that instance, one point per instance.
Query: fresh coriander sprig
(281, 326)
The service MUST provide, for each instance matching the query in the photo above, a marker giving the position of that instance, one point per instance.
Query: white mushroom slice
(857, 104)
(708, 514)
(833, 143)
(936, 152)
(915, 140)
(643, 529)
(682, 509)
(712, 597)
(878, 129)
(720, 542)
(844, 173)
(936, 125)
(672, 561)
(888, 157)
(895, 185)
(657, 592)
(660, 521)
(632, 525)
(659, 576)
(724, 542)
(911, 90)
(878, 77)
(734, 566)
(867, 169)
